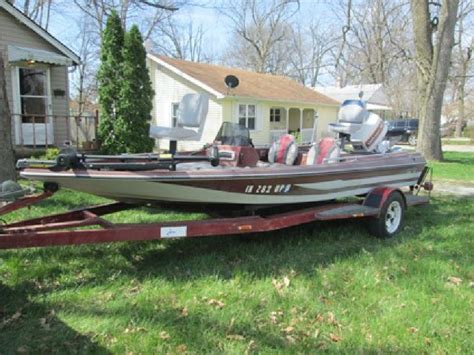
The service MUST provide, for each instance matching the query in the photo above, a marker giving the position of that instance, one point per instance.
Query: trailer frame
(65, 228)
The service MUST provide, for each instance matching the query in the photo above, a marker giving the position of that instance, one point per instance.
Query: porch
(300, 122)
(34, 133)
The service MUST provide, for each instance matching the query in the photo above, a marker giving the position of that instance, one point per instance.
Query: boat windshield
(233, 134)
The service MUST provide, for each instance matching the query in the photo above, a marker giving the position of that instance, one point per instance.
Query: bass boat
(231, 171)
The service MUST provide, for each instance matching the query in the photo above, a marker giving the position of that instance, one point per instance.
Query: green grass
(456, 166)
(455, 141)
(320, 287)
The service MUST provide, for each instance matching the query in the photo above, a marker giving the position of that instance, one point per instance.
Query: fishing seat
(283, 151)
(327, 151)
(192, 112)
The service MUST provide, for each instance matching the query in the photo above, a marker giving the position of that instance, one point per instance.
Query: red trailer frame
(62, 228)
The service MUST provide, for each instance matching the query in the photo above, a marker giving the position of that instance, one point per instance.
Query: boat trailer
(68, 228)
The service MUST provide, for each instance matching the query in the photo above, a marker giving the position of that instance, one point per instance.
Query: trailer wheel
(391, 216)
(412, 140)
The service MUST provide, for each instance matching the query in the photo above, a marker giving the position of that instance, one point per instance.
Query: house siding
(12, 32)
(170, 88)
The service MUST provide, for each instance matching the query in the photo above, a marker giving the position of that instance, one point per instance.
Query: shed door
(34, 124)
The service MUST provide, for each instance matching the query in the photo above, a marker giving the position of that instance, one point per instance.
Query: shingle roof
(252, 85)
(20, 16)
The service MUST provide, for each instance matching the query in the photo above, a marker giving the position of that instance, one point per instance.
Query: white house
(268, 105)
(37, 80)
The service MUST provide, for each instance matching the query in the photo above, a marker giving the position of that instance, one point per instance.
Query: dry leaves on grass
(413, 330)
(216, 303)
(281, 285)
(335, 338)
(12, 319)
(164, 335)
(456, 281)
(237, 337)
(134, 330)
(182, 348)
(274, 316)
(184, 312)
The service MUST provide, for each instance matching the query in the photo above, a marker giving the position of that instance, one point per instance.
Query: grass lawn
(319, 287)
(456, 166)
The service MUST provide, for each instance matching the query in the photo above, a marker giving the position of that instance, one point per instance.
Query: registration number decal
(267, 189)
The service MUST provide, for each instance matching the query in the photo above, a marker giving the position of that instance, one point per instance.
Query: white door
(33, 103)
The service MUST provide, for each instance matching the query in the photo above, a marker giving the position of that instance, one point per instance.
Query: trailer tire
(390, 220)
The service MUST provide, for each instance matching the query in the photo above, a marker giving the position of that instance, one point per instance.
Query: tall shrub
(109, 82)
(136, 95)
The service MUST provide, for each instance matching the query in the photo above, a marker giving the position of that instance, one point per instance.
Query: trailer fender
(377, 197)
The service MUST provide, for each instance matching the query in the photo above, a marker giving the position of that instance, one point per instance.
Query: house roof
(373, 93)
(32, 25)
(252, 85)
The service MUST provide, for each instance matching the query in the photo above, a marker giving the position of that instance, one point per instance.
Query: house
(37, 79)
(268, 105)
(373, 94)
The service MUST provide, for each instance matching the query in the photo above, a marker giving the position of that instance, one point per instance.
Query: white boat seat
(283, 151)
(327, 151)
(192, 113)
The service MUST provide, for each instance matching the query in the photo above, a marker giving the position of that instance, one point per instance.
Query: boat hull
(244, 186)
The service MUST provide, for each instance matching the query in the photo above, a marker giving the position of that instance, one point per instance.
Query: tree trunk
(7, 156)
(432, 71)
(460, 120)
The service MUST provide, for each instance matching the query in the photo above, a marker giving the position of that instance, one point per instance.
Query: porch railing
(306, 135)
(45, 131)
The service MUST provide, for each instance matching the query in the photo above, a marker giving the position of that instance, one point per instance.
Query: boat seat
(192, 112)
(283, 151)
(327, 151)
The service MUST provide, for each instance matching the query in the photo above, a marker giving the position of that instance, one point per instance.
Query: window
(247, 116)
(275, 115)
(174, 114)
(33, 95)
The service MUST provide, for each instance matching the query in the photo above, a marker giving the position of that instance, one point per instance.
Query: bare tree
(310, 49)
(373, 39)
(7, 156)
(461, 63)
(146, 13)
(85, 83)
(181, 41)
(260, 30)
(38, 10)
(432, 62)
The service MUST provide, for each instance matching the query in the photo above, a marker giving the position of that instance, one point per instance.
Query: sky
(216, 27)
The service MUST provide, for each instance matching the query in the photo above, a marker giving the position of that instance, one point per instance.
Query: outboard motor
(364, 130)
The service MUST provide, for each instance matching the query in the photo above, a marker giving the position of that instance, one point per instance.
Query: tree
(132, 124)
(432, 62)
(310, 50)
(7, 156)
(110, 82)
(461, 64)
(261, 31)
